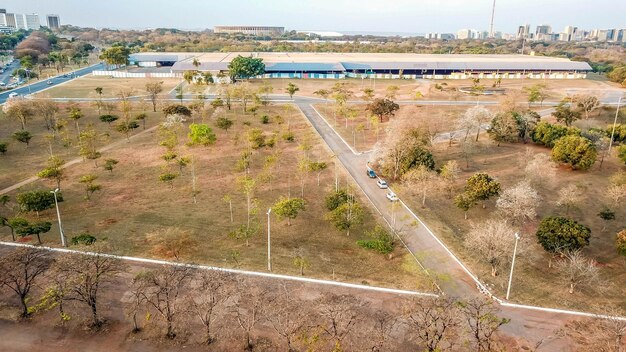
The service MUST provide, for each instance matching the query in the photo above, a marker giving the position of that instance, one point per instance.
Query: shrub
(620, 132)
(3, 148)
(256, 138)
(380, 241)
(83, 238)
(576, 151)
(265, 119)
(557, 234)
(547, 134)
(620, 242)
(289, 136)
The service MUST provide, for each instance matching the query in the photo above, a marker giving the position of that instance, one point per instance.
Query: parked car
(2, 84)
(382, 184)
(49, 82)
(392, 196)
(371, 173)
(13, 95)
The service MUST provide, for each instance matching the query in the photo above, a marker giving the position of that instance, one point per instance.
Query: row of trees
(214, 307)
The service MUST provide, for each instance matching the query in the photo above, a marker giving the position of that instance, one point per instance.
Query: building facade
(53, 21)
(250, 30)
(31, 21)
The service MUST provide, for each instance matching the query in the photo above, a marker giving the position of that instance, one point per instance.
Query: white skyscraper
(32, 21)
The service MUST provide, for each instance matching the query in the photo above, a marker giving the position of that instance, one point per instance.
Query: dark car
(371, 173)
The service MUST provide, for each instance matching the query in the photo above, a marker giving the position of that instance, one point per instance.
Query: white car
(13, 95)
(382, 184)
(392, 196)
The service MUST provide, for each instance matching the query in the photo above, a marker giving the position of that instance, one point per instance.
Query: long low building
(376, 65)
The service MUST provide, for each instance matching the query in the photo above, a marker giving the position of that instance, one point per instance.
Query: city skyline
(399, 16)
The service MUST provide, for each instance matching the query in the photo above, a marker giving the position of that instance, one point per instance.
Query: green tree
(536, 93)
(383, 108)
(245, 67)
(245, 233)
(547, 134)
(54, 170)
(504, 128)
(301, 262)
(607, 215)
(464, 202)
(34, 229)
(380, 240)
(126, 127)
(337, 198)
(558, 234)
(75, 113)
(23, 137)
(564, 113)
(3, 148)
(116, 55)
(15, 223)
(201, 134)
(108, 118)
(168, 178)
(109, 164)
(90, 186)
(224, 123)
(37, 201)
(578, 152)
(481, 187)
(291, 90)
(346, 216)
(288, 208)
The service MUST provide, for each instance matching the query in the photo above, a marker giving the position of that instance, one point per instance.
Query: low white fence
(123, 74)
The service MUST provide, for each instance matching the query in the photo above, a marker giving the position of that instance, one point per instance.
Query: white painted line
(233, 271)
(563, 311)
(331, 127)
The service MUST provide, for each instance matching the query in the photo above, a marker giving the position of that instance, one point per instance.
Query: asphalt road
(43, 84)
(5, 77)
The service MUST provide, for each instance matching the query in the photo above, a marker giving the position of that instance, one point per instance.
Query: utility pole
(508, 290)
(619, 102)
(56, 203)
(493, 13)
(269, 241)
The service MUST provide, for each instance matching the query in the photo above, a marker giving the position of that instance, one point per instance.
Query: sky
(401, 16)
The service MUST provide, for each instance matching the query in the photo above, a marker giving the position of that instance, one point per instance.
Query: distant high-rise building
(466, 34)
(11, 20)
(603, 35)
(31, 21)
(20, 21)
(523, 31)
(3, 10)
(543, 29)
(53, 21)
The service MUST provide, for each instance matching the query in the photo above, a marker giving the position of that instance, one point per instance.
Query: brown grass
(84, 87)
(134, 205)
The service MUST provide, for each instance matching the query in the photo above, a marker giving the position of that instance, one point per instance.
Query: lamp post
(508, 290)
(619, 102)
(269, 241)
(56, 203)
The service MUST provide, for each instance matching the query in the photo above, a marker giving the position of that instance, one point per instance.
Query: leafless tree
(569, 197)
(482, 322)
(382, 330)
(248, 310)
(86, 275)
(433, 323)
(493, 241)
(19, 272)
(288, 316)
(212, 290)
(163, 292)
(579, 271)
(475, 117)
(519, 203)
(540, 169)
(422, 179)
(135, 300)
(339, 314)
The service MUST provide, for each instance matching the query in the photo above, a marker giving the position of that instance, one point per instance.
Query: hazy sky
(414, 16)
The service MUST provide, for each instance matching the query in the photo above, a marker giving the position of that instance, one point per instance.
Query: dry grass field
(84, 87)
(140, 215)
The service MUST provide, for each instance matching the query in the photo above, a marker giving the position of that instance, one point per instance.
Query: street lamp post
(619, 102)
(508, 290)
(56, 203)
(269, 241)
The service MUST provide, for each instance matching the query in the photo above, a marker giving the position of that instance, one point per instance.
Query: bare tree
(248, 310)
(433, 323)
(568, 197)
(86, 275)
(163, 292)
(493, 240)
(540, 169)
(519, 203)
(382, 332)
(287, 316)
(578, 271)
(339, 314)
(586, 103)
(422, 179)
(212, 290)
(482, 322)
(19, 272)
(475, 117)
(135, 300)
